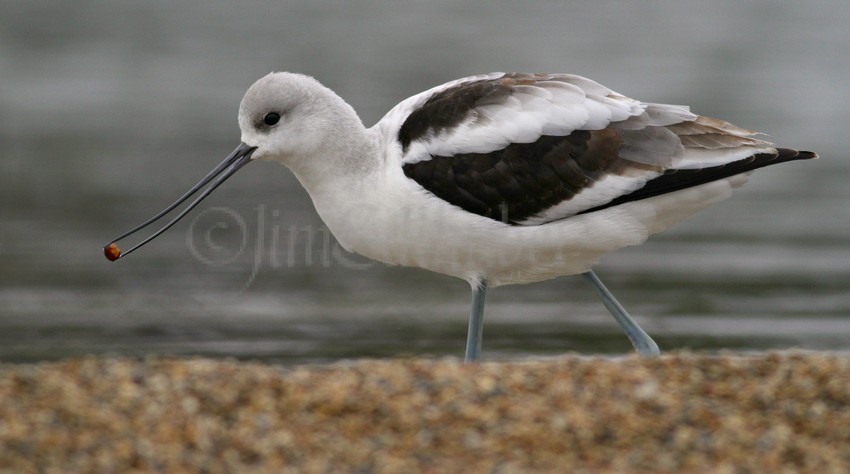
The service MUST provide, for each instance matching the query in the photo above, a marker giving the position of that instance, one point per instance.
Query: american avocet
(495, 179)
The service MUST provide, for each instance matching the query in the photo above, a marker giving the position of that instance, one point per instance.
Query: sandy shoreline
(680, 412)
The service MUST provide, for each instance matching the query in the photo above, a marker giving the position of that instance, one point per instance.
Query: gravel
(768, 412)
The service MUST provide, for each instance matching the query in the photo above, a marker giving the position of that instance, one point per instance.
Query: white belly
(399, 223)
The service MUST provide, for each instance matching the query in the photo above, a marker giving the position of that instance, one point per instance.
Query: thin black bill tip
(240, 157)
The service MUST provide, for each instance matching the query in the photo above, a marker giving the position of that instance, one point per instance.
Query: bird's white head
(290, 117)
(285, 117)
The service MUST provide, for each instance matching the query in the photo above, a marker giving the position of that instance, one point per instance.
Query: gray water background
(110, 110)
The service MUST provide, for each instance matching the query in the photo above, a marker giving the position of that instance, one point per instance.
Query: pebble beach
(681, 412)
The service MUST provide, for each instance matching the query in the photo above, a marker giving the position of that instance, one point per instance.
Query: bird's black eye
(271, 118)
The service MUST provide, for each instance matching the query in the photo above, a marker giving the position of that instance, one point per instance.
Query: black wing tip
(678, 179)
(790, 154)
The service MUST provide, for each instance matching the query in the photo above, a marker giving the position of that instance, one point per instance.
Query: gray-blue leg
(476, 323)
(641, 340)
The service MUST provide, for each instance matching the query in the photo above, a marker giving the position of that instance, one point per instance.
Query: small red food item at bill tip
(112, 252)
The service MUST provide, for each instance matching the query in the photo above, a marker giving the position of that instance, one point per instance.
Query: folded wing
(532, 148)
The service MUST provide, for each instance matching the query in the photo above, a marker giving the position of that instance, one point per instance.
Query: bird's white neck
(348, 154)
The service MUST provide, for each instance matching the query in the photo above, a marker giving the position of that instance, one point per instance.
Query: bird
(497, 179)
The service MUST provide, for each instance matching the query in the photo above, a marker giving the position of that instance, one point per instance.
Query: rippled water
(107, 113)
